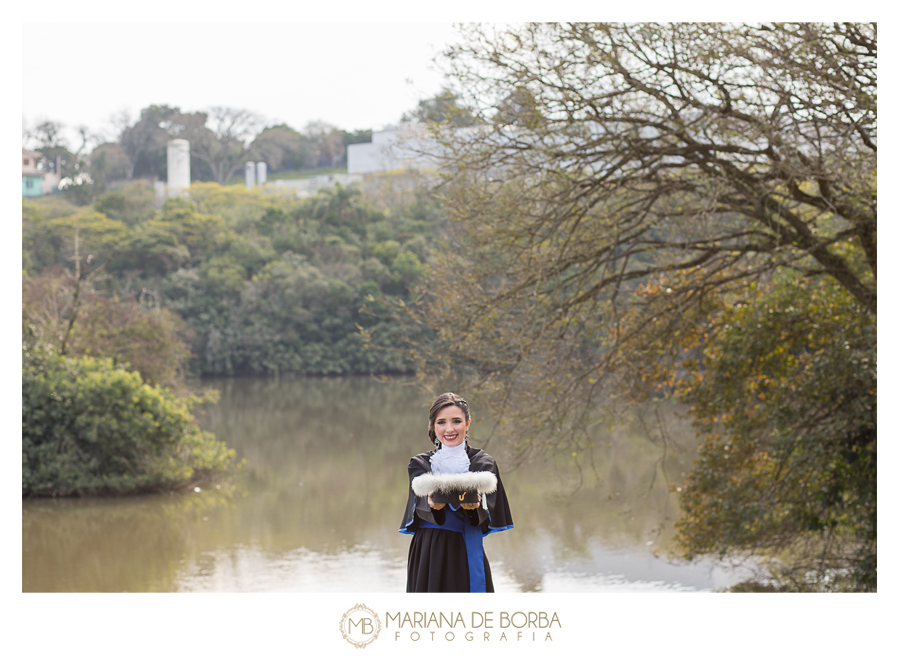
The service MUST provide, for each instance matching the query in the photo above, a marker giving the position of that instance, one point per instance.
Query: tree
(785, 397)
(327, 144)
(130, 331)
(89, 427)
(705, 156)
(221, 138)
(144, 143)
(47, 138)
(73, 168)
(773, 126)
(628, 185)
(108, 163)
(444, 107)
(131, 203)
(267, 283)
(281, 147)
(356, 137)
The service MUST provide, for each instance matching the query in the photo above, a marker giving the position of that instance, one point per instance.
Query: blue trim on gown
(472, 534)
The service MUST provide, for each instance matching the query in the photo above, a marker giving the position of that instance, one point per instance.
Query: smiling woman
(455, 498)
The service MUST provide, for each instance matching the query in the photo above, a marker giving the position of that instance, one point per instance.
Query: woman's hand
(471, 505)
(433, 504)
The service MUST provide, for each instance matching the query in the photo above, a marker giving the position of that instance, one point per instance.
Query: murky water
(324, 492)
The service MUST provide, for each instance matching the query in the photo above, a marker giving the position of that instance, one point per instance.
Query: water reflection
(115, 544)
(319, 506)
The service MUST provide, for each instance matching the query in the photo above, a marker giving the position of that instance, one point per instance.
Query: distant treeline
(222, 140)
(252, 283)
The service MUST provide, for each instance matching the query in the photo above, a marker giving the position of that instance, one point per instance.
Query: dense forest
(253, 283)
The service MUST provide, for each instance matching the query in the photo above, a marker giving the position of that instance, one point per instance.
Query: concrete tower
(260, 173)
(179, 164)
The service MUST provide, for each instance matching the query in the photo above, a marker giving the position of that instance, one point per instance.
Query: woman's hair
(441, 401)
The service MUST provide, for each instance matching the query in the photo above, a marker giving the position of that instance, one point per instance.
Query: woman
(446, 553)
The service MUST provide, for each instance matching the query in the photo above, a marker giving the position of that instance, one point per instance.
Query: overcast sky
(354, 75)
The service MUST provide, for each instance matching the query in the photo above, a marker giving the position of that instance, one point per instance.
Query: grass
(292, 174)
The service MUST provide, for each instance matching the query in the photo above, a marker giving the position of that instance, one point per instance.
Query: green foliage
(47, 207)
(89, 427)
(50, 239)
(108, 163)
(266, 283)
(319, 146)
(80, 190)
(407, 268)
(281, 147)
(131, 203)
(144, 142)
(786, 399)
(442, 108)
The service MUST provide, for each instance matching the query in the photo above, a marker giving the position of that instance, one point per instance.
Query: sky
(352, 75)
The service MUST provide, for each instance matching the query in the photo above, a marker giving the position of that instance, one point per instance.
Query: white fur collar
(483, 482)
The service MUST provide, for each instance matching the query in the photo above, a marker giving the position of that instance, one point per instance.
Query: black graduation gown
(438, 561)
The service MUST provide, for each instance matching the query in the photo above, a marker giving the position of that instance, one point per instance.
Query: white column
(178, 161)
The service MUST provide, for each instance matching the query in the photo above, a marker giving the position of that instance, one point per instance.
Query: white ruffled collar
(450, 460)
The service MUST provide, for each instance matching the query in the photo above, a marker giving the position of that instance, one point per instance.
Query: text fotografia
(480, 626)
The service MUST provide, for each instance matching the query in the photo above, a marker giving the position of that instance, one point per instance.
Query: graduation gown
(446, 543)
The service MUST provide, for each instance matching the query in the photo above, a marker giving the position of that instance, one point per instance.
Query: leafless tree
(698, 157)
(220, 137)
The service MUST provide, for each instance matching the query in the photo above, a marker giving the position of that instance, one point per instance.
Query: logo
(360, 626)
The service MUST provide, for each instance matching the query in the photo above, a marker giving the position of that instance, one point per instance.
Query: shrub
(89, 427)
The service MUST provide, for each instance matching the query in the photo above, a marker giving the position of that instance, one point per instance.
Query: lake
(320, 502)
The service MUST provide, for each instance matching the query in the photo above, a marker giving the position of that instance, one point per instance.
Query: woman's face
(450, 426)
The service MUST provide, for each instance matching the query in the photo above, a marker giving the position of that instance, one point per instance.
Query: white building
(393, 149)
